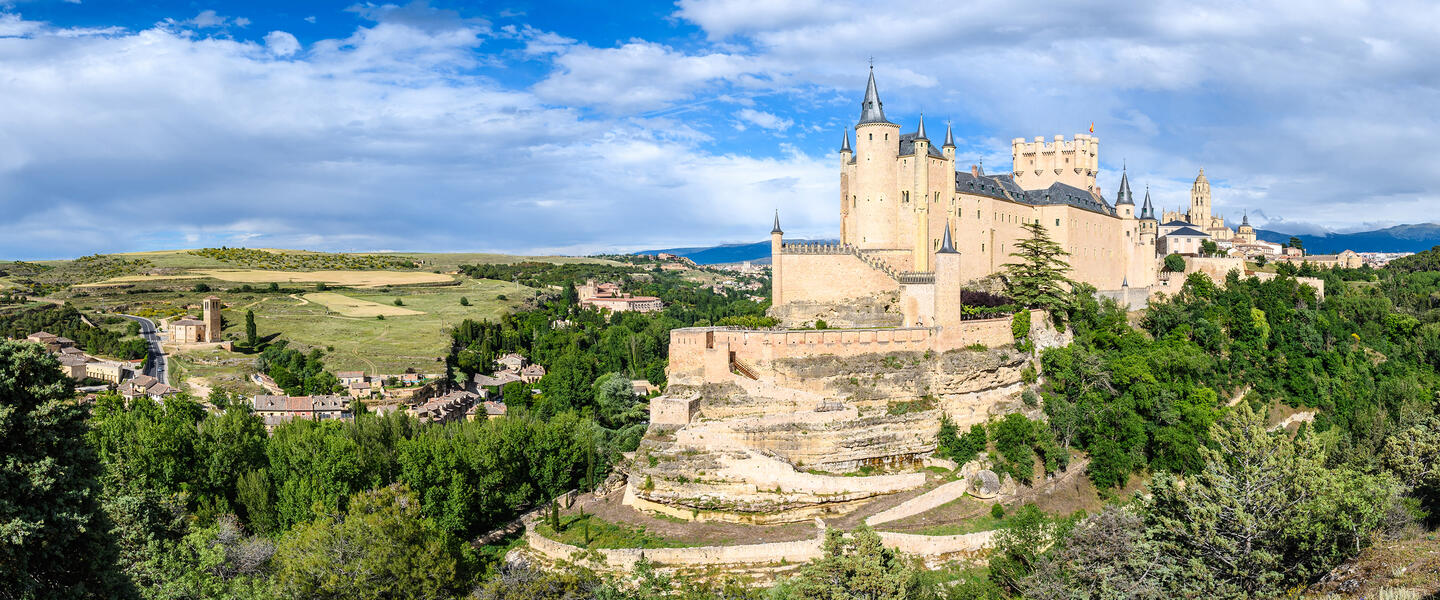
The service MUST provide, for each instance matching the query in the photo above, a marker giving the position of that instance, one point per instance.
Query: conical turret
(949, 137)
(1147, 211)
(1124, 196)
(920, 133)
(946, 246)
(777, 223)
(845, 141)
(871, 109)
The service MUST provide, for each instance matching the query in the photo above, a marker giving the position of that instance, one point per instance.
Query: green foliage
(466, 301)
(1175, 263)
(960, 448)
(1018, 547)
(52, 531)
(997, 511)
(382, 546)
(1264, 513)
(252, 335)
(1020, 330)
(304, 261)
(399, 302)
(201, 288)
(748, 321)
(821, 324)
(65, 321)
(1038, 278)
(855, 567)
(296, 372)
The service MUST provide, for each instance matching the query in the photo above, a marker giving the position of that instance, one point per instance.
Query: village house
(146, 386)
(609, 296)
(349, 377)
(450, 407)
(532, 373)
(510, 362)
(276, 410)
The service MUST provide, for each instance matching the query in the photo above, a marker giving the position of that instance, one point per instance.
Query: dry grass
(355, 307)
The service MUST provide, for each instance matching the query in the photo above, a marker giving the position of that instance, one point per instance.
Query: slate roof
(1177, 223)
(1188, 232)
(907, 146)
(1004, 187)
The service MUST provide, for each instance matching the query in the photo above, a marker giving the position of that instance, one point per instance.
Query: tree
(1296, 243)
(52, 531)
(855, 566)
(1038, 278)
(1209, 248)
(381, 547)
(1175, 263)
(1264, 513)
(466, 301)
(252, 337)
(1104, 556)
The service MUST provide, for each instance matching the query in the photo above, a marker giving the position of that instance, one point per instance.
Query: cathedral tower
(1200, 202)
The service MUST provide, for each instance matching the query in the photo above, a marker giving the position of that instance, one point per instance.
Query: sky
(585, 127)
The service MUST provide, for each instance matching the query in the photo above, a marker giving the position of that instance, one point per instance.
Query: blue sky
(585, 127)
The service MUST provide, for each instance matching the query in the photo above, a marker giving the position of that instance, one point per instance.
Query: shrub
(997, 511)
(379, 317)
(399, 302)
(821, 324)
(1175, 263)
(501, 297)
(464, 301)
(201, 287)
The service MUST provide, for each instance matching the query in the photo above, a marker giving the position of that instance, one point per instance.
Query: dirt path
(1238, 397)
(1306, 416)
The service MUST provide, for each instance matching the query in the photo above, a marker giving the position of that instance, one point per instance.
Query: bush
(821, 324)
(464, 301)
(1175, 263)
(379, 317)
(997, 511)
(501, 297)
(201, 287)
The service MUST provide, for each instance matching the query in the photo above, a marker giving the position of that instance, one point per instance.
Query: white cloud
(635, 76)
(281, 43)
(763, 119)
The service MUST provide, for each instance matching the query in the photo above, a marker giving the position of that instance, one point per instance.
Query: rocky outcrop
(878, 310)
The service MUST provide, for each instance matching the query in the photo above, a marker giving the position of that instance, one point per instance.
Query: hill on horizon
(1416, 237)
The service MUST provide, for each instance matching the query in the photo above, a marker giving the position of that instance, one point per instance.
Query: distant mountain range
(1400, 238)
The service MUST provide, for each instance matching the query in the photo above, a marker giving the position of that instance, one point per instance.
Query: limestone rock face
(985, 484)
(787, 447)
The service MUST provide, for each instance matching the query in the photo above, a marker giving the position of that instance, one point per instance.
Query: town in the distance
(987, 384)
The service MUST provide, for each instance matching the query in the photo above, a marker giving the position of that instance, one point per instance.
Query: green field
(198, 371)
(388, 345)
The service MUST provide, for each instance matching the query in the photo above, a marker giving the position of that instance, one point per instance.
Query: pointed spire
(1246, 220)
(845, 145)
(1147, 212)
(946, 247)
(1124, 196)
(949, 137)
(920, 134)
(871, 109)
(777, 222)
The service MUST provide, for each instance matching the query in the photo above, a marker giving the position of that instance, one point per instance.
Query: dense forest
(167, 500)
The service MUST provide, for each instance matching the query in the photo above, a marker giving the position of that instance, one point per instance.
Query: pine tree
(1038, 279)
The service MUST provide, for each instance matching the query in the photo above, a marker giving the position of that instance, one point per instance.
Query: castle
(902, 198)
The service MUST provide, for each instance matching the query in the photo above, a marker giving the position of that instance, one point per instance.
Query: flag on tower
(1092, 127)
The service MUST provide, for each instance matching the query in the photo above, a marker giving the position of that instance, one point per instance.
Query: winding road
(156, 366)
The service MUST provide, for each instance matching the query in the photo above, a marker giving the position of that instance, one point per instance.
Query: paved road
(157, 354)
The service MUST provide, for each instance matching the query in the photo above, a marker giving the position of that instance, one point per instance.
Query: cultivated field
(354, 307)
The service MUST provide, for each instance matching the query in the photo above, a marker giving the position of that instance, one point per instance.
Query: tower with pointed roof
(777, 245)
(872, 184)
(1149, 227)
(1124, 200)
(949, 281)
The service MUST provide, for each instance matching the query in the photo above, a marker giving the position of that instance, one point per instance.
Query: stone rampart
(708, 351)
(921, 503)
(939, 546)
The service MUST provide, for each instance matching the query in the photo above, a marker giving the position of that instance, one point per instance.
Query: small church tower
(213, 326)
(1246, 233)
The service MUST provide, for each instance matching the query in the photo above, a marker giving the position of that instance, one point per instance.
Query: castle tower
(846, 156)
(947, 284)
(875, 184)
(1149, 227)
(1200, 201)
(1124, 200)
(920, 200)
(949, 151)
(777, 242)
(211, 307)
(1039, 164)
